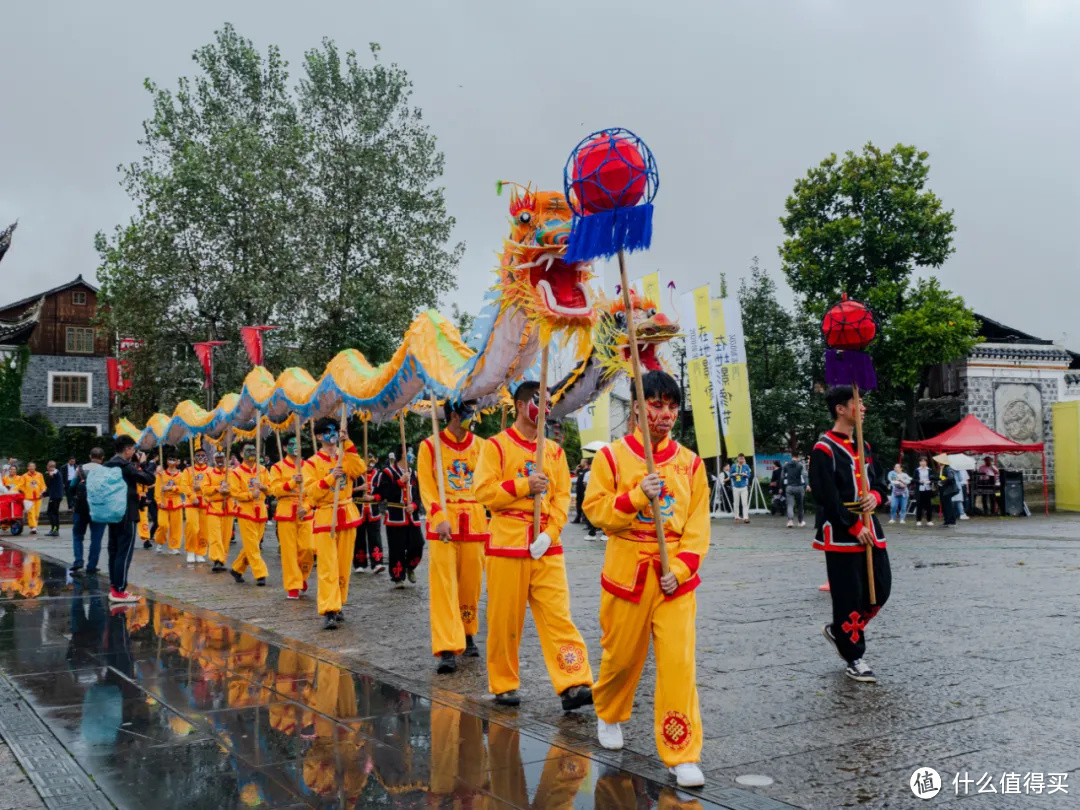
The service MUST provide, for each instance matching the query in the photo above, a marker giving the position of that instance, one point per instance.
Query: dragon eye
(650, 312)
(620, 319)
(524, 217)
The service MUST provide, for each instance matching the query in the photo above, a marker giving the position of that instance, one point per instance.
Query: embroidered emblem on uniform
(571, 658)
(467, 613)
(853, 626)
(460, 476)
(667, 507)
(527, 470)
(676, 730)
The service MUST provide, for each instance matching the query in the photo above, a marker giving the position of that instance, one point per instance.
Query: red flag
(253, 342)
(205, 352)
(112, 367)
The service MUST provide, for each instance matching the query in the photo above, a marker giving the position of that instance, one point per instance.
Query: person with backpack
(81, 520)
(794, 477)
(54, 490)
(113, 497)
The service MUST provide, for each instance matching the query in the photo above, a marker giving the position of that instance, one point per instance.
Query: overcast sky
(737, 100)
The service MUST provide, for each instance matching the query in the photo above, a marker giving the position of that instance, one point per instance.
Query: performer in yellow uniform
(170, 504)
(325, 473)
(195, 485)
(456, 532)
(12, 480)
(248, 486)
(293, 521)
(32, 486)
(144, 515)
(525, 570)
(637, 603)
(219, 516)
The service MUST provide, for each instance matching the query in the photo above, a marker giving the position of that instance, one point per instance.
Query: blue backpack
(106, 494)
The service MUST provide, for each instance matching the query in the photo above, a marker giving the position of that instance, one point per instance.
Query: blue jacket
(740, 476)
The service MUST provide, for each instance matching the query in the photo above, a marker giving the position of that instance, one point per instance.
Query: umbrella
(594, 447)
(960, 461)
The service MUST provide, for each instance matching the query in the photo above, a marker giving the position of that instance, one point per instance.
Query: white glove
(538, 546)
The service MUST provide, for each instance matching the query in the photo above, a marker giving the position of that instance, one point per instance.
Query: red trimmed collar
(199, 467)
(247, 469)
(836, 436)
(665, 451)
(447, 438)
(520, 440)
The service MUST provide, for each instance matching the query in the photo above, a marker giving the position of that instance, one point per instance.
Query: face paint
(532, 413)
(660, 415)
(330, 435)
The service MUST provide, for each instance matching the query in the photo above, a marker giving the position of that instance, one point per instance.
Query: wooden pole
(191, 447)
(401, 431)
(541, 425)
(639, 395)
(280, 450)
(340, 458)
(864, 487)
(258, 442)
(438, 458)
(365, 443)
(502, 419)
(314, 441)
(300, 456)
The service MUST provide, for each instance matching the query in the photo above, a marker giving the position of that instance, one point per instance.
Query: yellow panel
(1067, 455)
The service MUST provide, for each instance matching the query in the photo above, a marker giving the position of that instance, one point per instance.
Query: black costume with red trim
(404, 539)
(368, 550)
(834, 479)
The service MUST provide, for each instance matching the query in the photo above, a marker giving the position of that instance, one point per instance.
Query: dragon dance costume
(170, 504)
(249, 508)
(401, 495)
(193, 483)
(455, 569)
(294, 532)
(218, 515)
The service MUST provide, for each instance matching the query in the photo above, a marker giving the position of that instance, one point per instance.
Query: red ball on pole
(609, 172)
(849, 325)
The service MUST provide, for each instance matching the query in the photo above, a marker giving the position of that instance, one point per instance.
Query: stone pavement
(977, 654)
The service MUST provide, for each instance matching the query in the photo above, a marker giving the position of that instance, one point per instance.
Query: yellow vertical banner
(703, 406)
(594, 421)
(735, 384)
(650, 287)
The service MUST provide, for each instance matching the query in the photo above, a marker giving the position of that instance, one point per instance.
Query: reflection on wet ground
(166, 708)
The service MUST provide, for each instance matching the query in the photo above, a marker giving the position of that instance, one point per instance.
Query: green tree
(313, 209)
(863, 225)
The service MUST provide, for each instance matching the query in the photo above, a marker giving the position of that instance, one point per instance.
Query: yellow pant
(513, 583)
(455, 574)
(169, 527)
(31, 510)
(335, 567)
(218, 528)
(144, 524)
(251, 534)
(297, 552)
(458, 754)
(627, 629)
(195, 530)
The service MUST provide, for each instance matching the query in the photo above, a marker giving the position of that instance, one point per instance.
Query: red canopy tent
(970, 435)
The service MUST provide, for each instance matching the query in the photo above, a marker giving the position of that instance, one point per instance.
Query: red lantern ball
(848, 325)
(608, 173)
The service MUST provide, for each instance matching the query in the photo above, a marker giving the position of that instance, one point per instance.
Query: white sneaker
(918, 523)
(929, 523)
(858, 670)
(901, 523)
(158, 549)
(609, 735)
(790, 524)
(688, 775)
(802, 524)
(963, 517)
(200, 558)
(891, 521)
(175, 551)
(190, 557)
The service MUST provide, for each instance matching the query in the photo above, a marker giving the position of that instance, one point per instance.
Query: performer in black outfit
(368, 551)
(843, 535)
(404, 539)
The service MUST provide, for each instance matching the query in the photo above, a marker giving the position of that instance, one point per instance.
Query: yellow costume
(170, 505)
(13, 481)
(32, 487)
(335, 551)
(294, 536)
(514, 579)
(250, 512)
(218, 515)
(192, 483)
(633, 609)
(456, 569)
(144, 514)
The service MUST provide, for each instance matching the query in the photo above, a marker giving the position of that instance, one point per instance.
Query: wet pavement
(977, 654)
(171, 707)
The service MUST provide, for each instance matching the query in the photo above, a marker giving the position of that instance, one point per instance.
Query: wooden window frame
(88, 376)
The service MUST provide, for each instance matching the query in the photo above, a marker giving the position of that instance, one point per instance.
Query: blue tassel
(605, 233)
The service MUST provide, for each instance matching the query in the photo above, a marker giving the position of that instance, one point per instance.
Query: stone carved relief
(1018, 415)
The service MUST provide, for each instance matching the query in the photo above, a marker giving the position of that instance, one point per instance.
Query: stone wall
(35, 390)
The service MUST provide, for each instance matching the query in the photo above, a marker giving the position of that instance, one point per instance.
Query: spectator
(740, 485)
(122, 533)
(899, 481)
(793, 474)
(960, 498)
(80, 518)
(924, 493)
(591, 533)
(725, 482)
(579, 488)
(947, 488)
(54, 489)
(776, 485)
(71, 478)
(989, 478)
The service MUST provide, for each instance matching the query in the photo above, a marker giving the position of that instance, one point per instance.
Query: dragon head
(652, 328)
(532, 274)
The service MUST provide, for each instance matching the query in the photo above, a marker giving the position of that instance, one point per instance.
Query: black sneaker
(411, 575)
(508, 698)
(217, 567)
(261, 582)
(236, 576)
(575, 697)
(339, 617)
(857, 670)
(471, 650)
(447, 663)
(330, 621)
(91, 571)
(75, 569)
(146, 544)
(828, 633)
